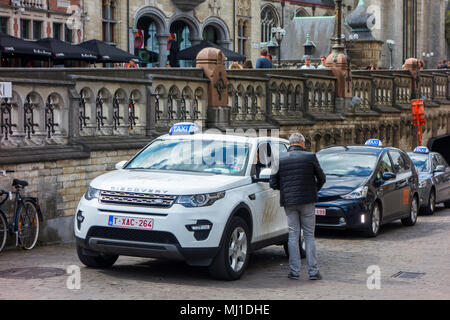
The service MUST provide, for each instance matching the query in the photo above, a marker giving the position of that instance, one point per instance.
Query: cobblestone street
(344, 258)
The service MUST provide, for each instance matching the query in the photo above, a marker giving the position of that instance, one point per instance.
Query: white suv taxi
(202, 198)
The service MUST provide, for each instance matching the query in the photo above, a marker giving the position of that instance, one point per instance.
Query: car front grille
(149, 236)
(137, 199)
(328, 199)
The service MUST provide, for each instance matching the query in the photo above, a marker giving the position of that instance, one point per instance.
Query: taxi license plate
(133, 223)
(321, 212)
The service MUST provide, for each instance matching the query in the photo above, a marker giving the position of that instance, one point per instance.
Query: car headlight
(200, 200)
(423, 184)
(359, 193)
(91, 193)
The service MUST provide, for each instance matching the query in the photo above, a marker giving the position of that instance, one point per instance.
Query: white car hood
(170, 183)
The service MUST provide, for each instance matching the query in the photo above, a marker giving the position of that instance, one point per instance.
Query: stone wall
(59, 185)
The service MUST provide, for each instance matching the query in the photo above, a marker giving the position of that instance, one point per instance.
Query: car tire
(373, 227)
(302, 246)
(412, 218)
(431, 205)
(235, 250)
(102, 261)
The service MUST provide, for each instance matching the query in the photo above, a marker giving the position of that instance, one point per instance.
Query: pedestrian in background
(307, 65)
(235, 66)
(299, 178)
(323, 61)
(263, 61)
(248, 64)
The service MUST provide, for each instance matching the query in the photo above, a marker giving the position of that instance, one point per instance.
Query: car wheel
(373, 227)
(101, 261)
(429, 209)
(232, 259)
(302, 246)
(412, 218)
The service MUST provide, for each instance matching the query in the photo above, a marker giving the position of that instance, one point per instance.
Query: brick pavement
(343, 257)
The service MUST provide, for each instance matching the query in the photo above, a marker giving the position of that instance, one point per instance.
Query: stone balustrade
(76, 107)
(37, 4)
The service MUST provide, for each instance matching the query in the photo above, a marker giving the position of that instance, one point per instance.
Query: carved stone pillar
(162, 40)
(212, 61)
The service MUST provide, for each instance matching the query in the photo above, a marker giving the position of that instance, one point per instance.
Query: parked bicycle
(26, 216)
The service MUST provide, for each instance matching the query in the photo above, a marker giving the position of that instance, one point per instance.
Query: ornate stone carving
(187, 5)
(244, 7)
(215, 7)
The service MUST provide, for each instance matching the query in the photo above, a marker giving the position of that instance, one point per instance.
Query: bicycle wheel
(28, 225)
(3, 231)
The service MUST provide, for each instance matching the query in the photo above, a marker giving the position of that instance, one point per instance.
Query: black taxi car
(434, 179)
(367, 186)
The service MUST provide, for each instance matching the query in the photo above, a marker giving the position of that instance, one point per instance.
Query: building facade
(240, 25)
(37, 19)
(146, 26)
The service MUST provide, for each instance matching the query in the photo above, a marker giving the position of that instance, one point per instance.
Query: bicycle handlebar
(4, 172)
(4, 193)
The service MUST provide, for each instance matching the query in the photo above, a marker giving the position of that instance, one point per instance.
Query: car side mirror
(389, 176)
(121, 164)
(440, 168)
(264, 175)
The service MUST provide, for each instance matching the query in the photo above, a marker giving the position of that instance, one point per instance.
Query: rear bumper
(193, 256)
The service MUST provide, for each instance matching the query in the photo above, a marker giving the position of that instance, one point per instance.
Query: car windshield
(207, 156)
(347, 164)
(421, 161)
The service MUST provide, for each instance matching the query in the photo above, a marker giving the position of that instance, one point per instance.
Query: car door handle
(401, 183)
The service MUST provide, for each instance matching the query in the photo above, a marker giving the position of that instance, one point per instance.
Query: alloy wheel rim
(375, 219)
(432, 202)
(414, 210)
(238, 249)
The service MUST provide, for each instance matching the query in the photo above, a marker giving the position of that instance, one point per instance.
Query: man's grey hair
(296, 138)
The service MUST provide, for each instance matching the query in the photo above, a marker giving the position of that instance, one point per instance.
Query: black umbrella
(192, 52)
(147, 56)
(107, 53)
(10, 45)
(62, 50)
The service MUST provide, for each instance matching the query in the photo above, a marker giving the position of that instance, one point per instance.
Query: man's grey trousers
(302, 217)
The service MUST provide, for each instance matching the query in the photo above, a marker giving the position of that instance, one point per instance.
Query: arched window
(242, 37)
(210, 34)
(109, 20)
(302, 12)
(148, 48)
(269, 19)
(183, 38)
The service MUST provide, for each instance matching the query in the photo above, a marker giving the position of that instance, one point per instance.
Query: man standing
(299, 178)
(263, 61)
(308, 65)
(322, 65)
